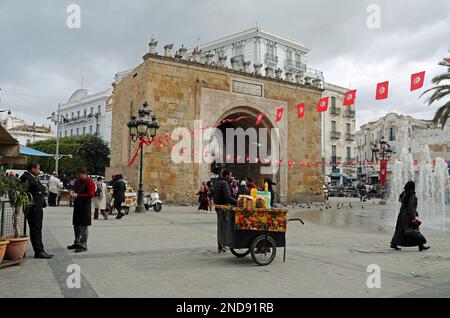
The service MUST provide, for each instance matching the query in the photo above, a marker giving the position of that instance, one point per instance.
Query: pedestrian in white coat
(100, 198)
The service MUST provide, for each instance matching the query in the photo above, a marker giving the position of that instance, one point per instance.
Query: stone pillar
(209, 58)
(289, 76)
(278, 73)
(299, 78)
(269, 71)
(257, 67)
(196, 55)
(168, 50)
(247, 66)
(153, 43)
(222, 60)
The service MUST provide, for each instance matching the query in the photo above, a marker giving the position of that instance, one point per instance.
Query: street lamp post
(383, 152)
(143, 127)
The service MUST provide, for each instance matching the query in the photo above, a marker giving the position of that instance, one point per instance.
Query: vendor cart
(254, 231)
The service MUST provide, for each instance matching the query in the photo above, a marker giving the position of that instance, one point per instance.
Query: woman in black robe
(406, 230)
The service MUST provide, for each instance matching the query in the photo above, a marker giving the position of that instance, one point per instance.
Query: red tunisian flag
(300, 110)
(322, 106)
(382, 90)
(383, 171)
(259, 119)
(279, 114)
(417, 80)
(349, 98)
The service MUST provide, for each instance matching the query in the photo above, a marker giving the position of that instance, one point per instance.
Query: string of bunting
(382, 92)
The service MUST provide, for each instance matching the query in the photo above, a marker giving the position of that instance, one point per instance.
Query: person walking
(210, 196)
(35, 213)
(203, 197)
(83, 192)
(406, 230)
(222, 196)
(100, 199)
(119, 188)
(54, 185)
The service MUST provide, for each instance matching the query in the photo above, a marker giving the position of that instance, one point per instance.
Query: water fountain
(431, 181)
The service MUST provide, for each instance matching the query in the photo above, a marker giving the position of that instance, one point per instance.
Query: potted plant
(4, 186)
(19, 199)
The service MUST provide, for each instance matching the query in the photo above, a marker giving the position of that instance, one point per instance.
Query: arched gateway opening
(244, 150)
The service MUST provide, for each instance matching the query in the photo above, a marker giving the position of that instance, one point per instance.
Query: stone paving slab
(173, 254)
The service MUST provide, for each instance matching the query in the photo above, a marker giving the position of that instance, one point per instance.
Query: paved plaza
(173, 254)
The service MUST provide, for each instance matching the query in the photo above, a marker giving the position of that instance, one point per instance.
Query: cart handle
(300, 220)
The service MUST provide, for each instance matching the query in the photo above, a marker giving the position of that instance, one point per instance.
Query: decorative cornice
(231, 71)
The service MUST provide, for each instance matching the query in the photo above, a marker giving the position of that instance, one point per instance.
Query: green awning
(350, 177)
(374, 176)
(335, 175)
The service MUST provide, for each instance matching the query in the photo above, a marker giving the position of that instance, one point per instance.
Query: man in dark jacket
(119, 188)
(83, 192)
(222, 196)
(35, 213)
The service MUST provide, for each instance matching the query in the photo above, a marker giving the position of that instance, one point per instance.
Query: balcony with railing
(296, 66)
(271, 59)
(350, 137)
(349, 113)
(335, 111)
(335, 135)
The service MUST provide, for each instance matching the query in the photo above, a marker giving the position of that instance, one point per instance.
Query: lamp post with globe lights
(143, 127)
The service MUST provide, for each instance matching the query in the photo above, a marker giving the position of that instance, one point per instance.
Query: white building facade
(261, 51)
(401, 131)
(338, 137)
(87, 114)
(26, 134)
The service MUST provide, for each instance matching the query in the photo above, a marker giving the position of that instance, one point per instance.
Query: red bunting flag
(160, 142)
(322, 106)
(259, 119)
(168, 139)
(382, 90)
(302, 163)
(300, 110)
(417, 80)
(324, 164)
(316, 164)
(349, 98)
(308, 164)
(279, 114)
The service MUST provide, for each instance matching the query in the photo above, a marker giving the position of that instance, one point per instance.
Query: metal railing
(6, 220)
(335, 135)
(349, 113)
(335, 111)
(350, 137)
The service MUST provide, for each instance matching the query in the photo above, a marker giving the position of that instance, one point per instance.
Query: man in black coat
(119, 189)
(222, 196)
(35, 213)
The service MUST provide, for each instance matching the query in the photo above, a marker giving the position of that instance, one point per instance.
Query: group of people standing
(84, 192)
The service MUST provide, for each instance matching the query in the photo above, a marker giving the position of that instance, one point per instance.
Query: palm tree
(440, 91)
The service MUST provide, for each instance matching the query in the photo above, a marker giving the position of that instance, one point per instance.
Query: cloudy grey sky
(42, 61)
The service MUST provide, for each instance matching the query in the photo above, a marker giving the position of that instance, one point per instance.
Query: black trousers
(34, 217)
(52, 199)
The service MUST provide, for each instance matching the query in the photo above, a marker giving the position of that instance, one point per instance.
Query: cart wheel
(263, 250)
(240, 252)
